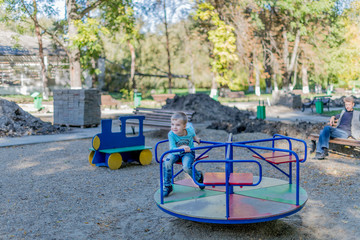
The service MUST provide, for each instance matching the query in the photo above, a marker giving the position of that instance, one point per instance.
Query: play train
(111, 149)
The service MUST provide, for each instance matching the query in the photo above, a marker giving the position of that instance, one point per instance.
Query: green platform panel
(241, 208)
(285, 193)
(272, 199)
(265, 182)
(208, 207)
(182, 193)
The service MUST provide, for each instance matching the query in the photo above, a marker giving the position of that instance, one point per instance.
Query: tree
(224, 43)
(292, 22)
(130, 34)
(23, 10)
(77, 15)
(344, 51)
(166, 11)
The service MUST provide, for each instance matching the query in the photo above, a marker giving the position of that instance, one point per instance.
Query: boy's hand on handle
(197, 139)
(187, 149)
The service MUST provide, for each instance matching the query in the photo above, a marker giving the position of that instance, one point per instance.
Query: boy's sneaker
(201, 180)
(167, 190)
(326, 151)
(320, 156)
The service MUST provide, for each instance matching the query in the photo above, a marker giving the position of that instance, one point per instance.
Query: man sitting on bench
(348, 125)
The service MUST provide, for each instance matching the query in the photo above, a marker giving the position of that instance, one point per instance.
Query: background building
(20, 71)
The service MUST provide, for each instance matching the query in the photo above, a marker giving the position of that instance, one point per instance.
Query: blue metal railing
(228, 171)
(229, 160)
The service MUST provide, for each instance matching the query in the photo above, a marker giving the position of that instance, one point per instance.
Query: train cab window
(131, 127)
(116, 126)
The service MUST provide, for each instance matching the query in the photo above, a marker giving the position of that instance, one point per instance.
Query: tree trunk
(214, 91)
(289, 64)
(88, 79)
(191, 84)
(167, 48)
(251, 78)
(293, 84)
(93, 75)
(268, 70)
(74, 54)
(274, 75)
(257, 75)
(305, 82)
(45, 79)
(132, 71)
(101, 75)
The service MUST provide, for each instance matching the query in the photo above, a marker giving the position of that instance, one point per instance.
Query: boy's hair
(349, 99)
(180, 116)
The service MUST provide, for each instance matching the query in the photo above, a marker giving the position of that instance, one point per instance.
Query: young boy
(180, 137)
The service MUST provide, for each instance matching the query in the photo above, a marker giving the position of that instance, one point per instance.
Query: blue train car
(111, 149)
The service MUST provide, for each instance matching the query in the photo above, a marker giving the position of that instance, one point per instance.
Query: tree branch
(161, 76)
(44, 29)
(90, 7)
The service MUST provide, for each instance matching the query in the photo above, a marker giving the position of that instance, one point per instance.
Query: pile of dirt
(234, 120)
(206, 109)
(15, 122)
(299, 130)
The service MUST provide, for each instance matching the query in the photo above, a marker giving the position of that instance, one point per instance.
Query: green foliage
(126, 95)
(189, 57)
(120, 18)
(208, 44)
(88, 40)
(223, 40)
(341, 49)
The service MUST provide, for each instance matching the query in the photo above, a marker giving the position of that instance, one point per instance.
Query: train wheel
(114, 161)
(96, 142)
(91, 156)
(145, 157)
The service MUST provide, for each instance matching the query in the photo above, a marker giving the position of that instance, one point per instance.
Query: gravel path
(49, 191)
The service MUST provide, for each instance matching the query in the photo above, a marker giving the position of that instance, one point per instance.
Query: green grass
(22, 98)
(247, 98)
(335, 112)
(331, 113)
(182, 91)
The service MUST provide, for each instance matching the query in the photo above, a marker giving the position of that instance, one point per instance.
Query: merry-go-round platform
(233, 197)
(271, 199)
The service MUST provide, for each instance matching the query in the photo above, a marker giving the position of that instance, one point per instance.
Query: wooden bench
(340, 141)
(311, 103)
(326, 101)
(238, 94)
(108, 101)
(308, 104)
(162, 97)
(297, 91)
(155, 117)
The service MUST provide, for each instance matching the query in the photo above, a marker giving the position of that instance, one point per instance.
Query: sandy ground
(49, 191)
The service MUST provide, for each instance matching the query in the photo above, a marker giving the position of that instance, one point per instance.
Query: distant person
(180, 137)
(348, 125)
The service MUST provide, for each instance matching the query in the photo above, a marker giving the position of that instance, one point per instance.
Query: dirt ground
(49, 191)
